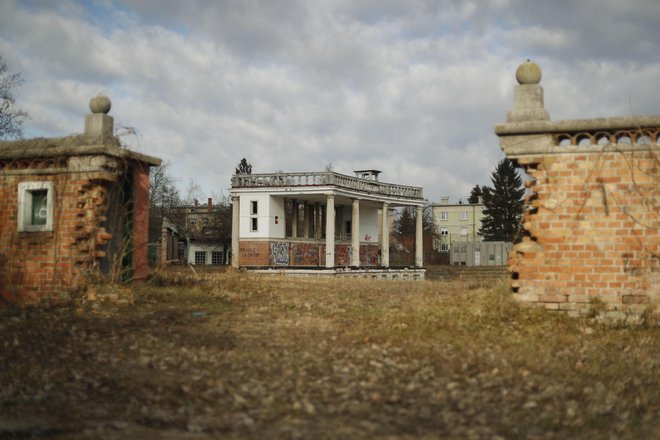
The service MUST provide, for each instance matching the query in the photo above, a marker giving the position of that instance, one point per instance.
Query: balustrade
(325, 178)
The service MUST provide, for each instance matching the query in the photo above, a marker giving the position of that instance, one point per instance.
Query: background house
(456, 223)
(197, 234)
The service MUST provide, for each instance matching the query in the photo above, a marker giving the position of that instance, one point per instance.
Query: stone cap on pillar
(99, 125)
(528, 95)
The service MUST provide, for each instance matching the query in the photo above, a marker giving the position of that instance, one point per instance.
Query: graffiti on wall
(279, 252)
(306, 254)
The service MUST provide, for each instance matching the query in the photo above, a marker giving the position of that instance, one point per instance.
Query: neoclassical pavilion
(317, 220)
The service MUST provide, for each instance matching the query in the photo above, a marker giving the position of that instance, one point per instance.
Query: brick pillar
(140, 221)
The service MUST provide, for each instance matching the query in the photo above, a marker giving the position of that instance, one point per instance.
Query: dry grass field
(275, 357)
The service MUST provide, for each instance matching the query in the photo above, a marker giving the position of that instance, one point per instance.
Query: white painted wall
(369, 224)
(270, 216)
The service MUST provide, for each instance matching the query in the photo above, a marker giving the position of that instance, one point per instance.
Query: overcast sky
(410, 87)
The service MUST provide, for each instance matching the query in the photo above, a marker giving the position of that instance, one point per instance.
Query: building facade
(456, 223)
(198, 234)
(317, 219)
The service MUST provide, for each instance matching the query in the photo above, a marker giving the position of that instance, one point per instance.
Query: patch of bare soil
(249, 357)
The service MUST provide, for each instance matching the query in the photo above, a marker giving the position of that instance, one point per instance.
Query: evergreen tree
(503, 204)
(404, 224)
(477, 191)
(243, 167)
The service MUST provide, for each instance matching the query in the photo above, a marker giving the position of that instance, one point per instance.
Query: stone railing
(581, 135)
(325, 178)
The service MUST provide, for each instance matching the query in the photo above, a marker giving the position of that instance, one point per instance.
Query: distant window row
(444, 215)
(200, 257)
(445, 231)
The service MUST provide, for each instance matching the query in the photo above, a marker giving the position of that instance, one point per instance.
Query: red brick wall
(305, 254)
(594, 231)
(141, 222)
(369, 255)
(254, 253)
(261, 253)
(48, 266)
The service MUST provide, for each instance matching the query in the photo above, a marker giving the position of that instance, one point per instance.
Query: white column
(355, 234)
(294, 219)
(385, 239)
(419, 237)
(330, 232)
(235, 230)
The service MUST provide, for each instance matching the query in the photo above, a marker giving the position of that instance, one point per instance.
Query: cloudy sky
(413, 88)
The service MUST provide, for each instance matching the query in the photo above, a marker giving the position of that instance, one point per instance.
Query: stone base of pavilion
(387, 273)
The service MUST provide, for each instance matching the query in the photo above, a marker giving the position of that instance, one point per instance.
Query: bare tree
(11, 116)
(162, 189)
(163, 196)
(193, 193)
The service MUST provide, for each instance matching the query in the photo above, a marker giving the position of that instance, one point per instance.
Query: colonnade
(314, 216)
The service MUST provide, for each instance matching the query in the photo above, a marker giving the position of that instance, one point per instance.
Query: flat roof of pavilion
(314, 186)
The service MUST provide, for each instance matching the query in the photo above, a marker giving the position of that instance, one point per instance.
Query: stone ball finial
(528, 73)
(100, 104)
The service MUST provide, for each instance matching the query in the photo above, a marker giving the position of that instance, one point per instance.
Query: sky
(413, 88)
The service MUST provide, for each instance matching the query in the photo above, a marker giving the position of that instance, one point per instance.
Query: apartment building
(456, 223)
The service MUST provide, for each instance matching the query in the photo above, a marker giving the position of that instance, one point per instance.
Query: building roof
(309, 183)
(67, 146)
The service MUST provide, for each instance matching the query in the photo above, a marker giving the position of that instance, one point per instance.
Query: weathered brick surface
(47, 267)
(254, 253)
(41, 266)
(594, 232)
(295, 253)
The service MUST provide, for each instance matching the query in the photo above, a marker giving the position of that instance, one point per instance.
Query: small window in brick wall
(200, 257)
(35, 206)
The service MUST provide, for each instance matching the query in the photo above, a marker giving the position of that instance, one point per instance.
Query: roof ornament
(100, 104)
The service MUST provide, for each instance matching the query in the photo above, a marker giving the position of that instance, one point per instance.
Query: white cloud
(412, 88)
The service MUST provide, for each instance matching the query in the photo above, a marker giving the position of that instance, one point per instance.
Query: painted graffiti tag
(280, 253)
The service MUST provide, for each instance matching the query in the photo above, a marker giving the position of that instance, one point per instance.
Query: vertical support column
(165, 246)
(294, 219)
(140, 221)
(330, 232)
(385, 239)
(318, 217)
(419, 237)
(355, 234)
(235, 230)
(308, 219)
